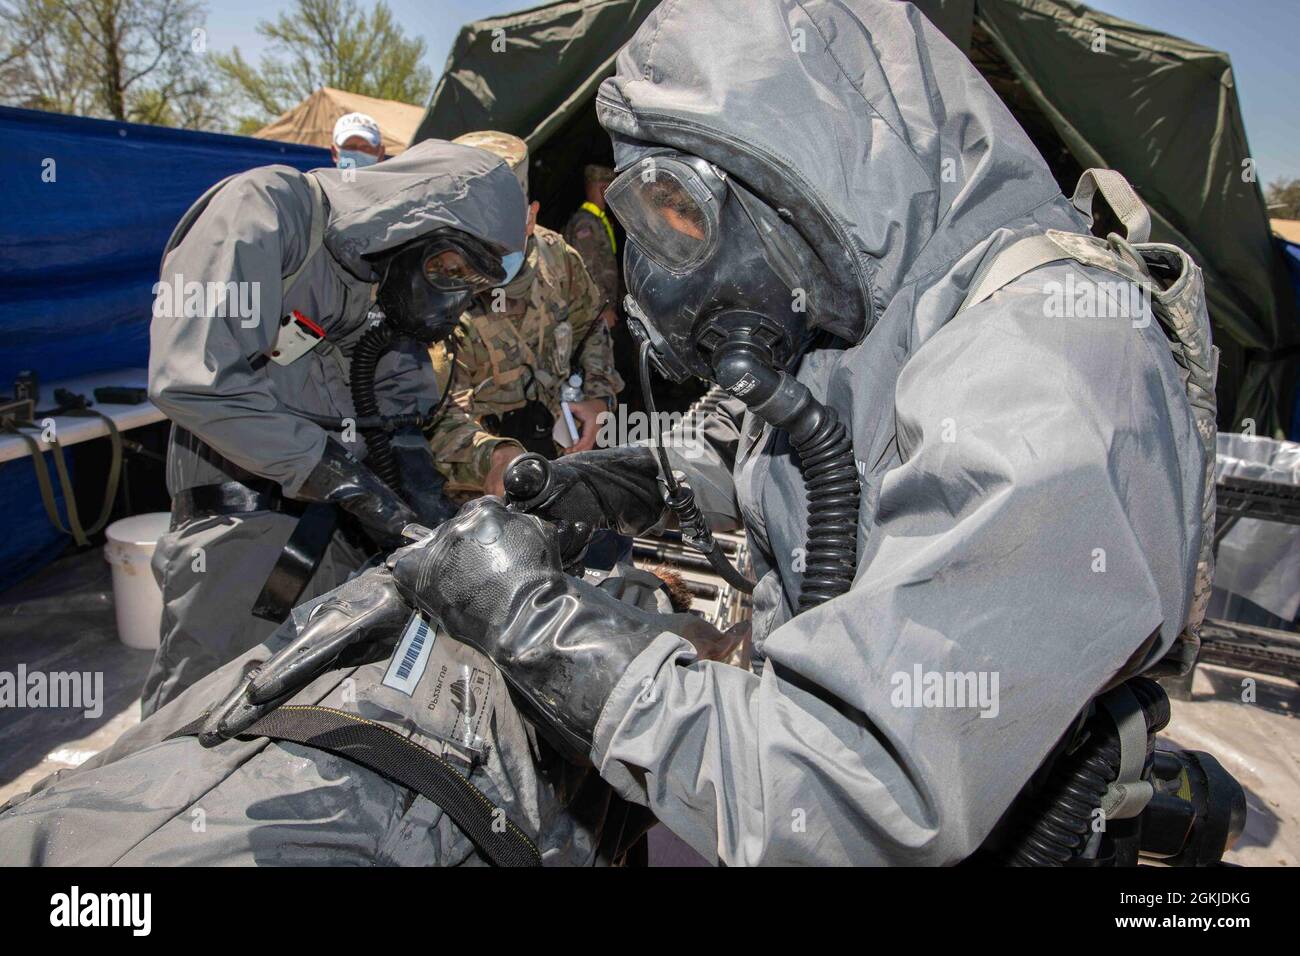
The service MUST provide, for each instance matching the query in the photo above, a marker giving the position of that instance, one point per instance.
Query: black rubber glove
(342, 479)
(608, 488)
(358, 622)
(494, 579)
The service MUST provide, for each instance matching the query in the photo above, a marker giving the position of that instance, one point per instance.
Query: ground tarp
(1161, 110)
(312, 121)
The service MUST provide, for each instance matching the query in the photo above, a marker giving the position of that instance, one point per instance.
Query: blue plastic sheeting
(86, 210)
(89, 205)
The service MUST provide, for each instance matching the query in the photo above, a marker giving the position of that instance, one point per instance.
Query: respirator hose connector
(743, 367)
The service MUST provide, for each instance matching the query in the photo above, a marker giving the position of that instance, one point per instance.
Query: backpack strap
(1031, 252)
(316, 236)
(315, 240)
(1010, 264)
(1119, 195)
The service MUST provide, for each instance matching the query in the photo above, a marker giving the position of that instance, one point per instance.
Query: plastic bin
(137, 598)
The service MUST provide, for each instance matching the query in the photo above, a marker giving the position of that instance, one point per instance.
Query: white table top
(72, 429)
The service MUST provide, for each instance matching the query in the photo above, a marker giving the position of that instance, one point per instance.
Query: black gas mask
(427, 284)
(722, 287)
(424, 287)
(706, 257)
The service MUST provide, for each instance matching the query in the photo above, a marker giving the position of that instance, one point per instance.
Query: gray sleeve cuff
(636, 688)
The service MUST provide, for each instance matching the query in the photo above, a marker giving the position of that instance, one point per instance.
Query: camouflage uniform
(589, 231)
(462, 448)
(505, 358)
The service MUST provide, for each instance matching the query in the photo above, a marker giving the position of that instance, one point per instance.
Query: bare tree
(139, 60)
(37, 69)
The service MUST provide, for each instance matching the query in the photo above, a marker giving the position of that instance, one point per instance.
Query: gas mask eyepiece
(428, 283)
(706, 258)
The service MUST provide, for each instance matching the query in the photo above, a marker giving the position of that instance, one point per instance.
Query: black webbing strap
(298, 561)
(404, 762)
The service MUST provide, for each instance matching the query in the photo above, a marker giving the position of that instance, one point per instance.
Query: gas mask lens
(450, 269)
(669, 208)
(426, 284)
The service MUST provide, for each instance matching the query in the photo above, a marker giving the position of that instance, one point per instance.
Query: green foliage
(137, 60)
(328, 43)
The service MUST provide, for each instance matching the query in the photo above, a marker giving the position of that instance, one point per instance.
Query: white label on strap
(407, 664)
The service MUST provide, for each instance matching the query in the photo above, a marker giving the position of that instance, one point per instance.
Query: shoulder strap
(314, 242)
(1119, 195)
(317, 235)
(1034, 251)
(404, 762)
(1010, 264)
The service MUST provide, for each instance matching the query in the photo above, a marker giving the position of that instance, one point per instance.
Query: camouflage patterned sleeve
(461, 449)
(600, 379)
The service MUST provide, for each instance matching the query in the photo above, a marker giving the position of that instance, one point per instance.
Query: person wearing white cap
(356, 142)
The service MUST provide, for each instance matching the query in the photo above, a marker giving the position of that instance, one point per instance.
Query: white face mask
(355, 159)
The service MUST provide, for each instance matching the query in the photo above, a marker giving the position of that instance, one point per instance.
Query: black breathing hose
(1052, 827)
(365, 360)
(744, 368)
(830, 476)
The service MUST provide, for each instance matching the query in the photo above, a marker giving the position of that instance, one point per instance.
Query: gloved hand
(342, 479)
(494, 579)
(358, 622)
(608, 488)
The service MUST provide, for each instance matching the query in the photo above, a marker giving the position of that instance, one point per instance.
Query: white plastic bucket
(136, 595)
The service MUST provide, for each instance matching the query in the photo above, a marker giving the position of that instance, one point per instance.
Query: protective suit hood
(908, 160)
(427, 187)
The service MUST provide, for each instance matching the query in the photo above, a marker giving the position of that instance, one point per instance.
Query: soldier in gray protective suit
(1001, 493)
(258, 396)
(1031, 479)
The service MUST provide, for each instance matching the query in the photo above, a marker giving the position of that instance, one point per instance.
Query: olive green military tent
(1092, 90)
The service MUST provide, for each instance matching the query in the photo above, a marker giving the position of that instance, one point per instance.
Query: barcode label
(407, 664)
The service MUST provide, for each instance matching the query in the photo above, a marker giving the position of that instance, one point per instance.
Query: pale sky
(1260, 35)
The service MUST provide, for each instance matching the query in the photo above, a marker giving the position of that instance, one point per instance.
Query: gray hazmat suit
(1030, 480)
(1031, 489)
(232, 421)
(150, 801)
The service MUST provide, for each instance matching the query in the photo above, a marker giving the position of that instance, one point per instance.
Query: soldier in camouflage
(591, 232)
(514, 351)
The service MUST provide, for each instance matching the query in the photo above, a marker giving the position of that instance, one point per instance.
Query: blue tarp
(88, 205)
(85, 209)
